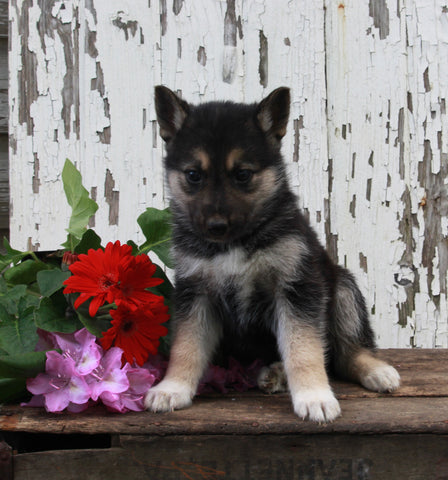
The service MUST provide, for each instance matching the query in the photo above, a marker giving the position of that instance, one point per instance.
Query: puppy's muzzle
(217, 227)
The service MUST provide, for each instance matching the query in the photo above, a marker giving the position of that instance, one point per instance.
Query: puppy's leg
(302, 351)
(196, 337)
(371, 372)
(353, 344)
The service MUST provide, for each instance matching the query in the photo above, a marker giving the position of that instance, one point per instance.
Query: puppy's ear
(171, 112)
(273, 113)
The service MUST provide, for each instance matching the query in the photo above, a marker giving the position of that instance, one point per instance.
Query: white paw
(318, 405)
(383, 378)
(167, 396)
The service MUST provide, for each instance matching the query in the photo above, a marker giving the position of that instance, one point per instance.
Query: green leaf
(10, 299)
(95, 325)
(163, 251)
(165, 288)
(3, 286)
(18, 333)
(89, 240)
(12, 256)
(28, 301)
(156, 226)
(50, 281)
(135, 249)
(51, 317)
(25, 272)
(12, 389)
(23, 365)
(83, 207)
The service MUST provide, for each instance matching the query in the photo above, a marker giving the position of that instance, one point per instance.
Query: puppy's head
(223, 161)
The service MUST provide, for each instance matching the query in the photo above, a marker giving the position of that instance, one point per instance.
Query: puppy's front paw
(318, 405)
(382, 378)
(167, 396)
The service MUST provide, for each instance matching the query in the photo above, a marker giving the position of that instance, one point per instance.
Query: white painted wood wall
(367, 146)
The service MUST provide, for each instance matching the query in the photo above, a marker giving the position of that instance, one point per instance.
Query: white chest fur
(236, 266)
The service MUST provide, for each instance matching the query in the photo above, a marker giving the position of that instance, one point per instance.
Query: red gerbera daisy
(96, 275)
(137, 332)
(112, 275)
(135, 276)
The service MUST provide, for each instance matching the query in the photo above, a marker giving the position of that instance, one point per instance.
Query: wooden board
(3, 18)
(346, 457)
(365, 149)
(420, 406)
(242, 415)
(4, 117)
(4, 182)
(249, 435)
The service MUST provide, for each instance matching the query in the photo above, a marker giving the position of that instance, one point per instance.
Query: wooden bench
(246, 436)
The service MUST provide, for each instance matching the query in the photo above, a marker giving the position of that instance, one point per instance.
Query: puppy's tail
(350, 329)
(351, 342)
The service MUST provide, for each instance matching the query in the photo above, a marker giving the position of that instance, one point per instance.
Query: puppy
(251, 278)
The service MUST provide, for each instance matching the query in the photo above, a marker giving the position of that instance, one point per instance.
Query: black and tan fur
(252, 279)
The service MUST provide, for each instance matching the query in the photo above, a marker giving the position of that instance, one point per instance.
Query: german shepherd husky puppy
(252, 279)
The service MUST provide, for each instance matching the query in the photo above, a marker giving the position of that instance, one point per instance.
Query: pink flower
(46, 341)
(140, 380)
(108, 376)
(243, 378)
(235, 377)
(84, 373)
(156, 366)
(61, 384)
(36, 401)
(82, 348)
(214, 379)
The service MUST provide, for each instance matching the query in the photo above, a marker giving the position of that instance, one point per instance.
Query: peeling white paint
(379, 87)
(366, 147)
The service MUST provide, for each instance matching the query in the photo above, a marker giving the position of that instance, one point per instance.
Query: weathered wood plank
(420, 406)
(252, 435)
(366, 145)
(4, 118)
(82, 87)
(4, 109)
(269, 457)
(4, 183)
(242, 415)
(387, 86)
(4, 23)
(5, 461)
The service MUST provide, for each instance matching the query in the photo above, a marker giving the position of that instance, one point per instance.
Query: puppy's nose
(217, 226)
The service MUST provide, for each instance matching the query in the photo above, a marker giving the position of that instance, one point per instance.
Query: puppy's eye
(243, 175)
(193, 176)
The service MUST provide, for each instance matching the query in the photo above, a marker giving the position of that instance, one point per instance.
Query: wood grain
(420, 406)
(266, 457)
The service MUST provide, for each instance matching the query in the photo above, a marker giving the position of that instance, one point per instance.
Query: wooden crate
(246, 436)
